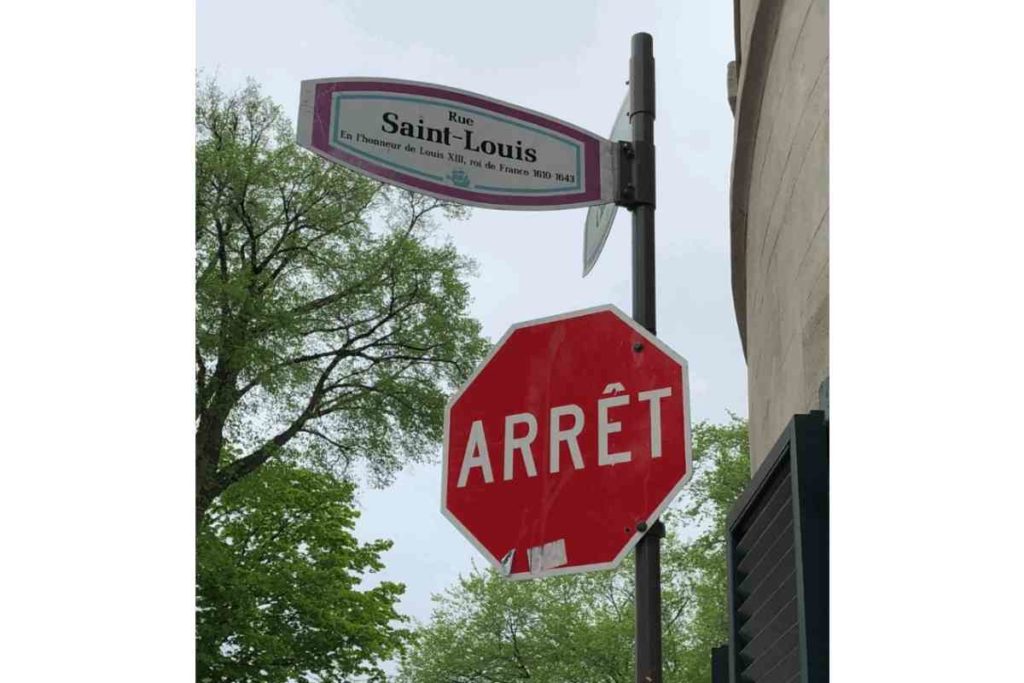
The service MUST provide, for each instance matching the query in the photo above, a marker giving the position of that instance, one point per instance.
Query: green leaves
(278, 584)
(331, 325)
(580, 628)
(559, 629)
(331, 320)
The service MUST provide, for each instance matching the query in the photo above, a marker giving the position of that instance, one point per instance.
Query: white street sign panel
(454, 145)
(600, 218)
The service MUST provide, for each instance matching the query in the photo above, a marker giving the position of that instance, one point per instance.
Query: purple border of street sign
(320, 136)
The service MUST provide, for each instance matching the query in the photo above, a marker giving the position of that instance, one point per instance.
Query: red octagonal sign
(573, 433)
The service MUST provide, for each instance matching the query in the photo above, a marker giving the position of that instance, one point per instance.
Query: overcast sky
(569, 60)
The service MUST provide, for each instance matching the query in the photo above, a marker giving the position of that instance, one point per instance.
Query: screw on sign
(567, 442)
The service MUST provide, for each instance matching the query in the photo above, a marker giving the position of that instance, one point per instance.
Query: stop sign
(567, 442)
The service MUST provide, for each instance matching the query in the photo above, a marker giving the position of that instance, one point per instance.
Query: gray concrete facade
(778, 88)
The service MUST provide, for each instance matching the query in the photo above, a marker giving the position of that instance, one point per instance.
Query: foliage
(580, 628)
(331, 320)
(278, 584)
(562, 629)
(721, 472)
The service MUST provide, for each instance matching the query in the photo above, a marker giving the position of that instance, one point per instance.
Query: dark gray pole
(648, 550)
(641, 116)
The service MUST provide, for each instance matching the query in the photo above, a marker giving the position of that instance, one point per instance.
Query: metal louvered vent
(765, 575)
(778, 563)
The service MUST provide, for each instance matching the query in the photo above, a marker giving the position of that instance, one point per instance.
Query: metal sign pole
(648, 550)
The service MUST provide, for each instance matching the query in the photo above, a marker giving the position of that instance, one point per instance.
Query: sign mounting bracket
(635, 185)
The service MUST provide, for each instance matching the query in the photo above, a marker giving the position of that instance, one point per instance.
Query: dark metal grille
(765, 579)
(778, 563)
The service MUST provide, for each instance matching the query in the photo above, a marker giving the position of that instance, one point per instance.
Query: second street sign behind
(600, 218)
(454, 145)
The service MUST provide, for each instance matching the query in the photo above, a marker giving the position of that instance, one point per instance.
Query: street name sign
(454, 145)
(567, 443)
(600, 218)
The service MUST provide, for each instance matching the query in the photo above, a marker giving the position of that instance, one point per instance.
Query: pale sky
(569, 60)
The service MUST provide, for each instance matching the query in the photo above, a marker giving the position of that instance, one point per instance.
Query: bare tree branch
(515, 648)
(317, 433)
(200, 382)
(243, 466)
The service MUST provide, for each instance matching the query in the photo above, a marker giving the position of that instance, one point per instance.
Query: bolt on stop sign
(566, 443)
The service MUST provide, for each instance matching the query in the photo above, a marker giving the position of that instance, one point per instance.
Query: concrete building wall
(780, 209)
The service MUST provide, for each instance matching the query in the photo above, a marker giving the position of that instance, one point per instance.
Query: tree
(580, 628)
(278, 576)
(490, 630)
(722, 459)
(331, 321)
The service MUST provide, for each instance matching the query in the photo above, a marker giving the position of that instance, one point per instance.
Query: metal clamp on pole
(636, 174)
